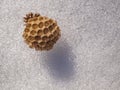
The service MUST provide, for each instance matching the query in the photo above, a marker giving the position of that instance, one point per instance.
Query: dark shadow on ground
(60, 62)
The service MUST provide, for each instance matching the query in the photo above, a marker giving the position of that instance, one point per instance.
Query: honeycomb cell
(42, 43)
(30, 38)
(25, 35)
(34, 43)
(37, 37)
(33, 32)
(55, 39)
(28, 25)
(30, 20)
(50, 28)
(41, 25)
(50, 21)
(30, 46)
(44, 38)
(46, 30)
(51, 37)
(57, 29)
(34, 26)
(45, 18)
(55, 33)
(35, 19)
(50, 43)
(26, 30)
(40, 18)
(54, 25)
(40, 32)
(37, 47)
(47, 23)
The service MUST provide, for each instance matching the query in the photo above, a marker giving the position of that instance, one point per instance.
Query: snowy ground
(87, 56)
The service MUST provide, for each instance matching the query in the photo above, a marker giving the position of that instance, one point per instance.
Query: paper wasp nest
(40, 32)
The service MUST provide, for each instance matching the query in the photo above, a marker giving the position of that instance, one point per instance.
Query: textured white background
(87, 56)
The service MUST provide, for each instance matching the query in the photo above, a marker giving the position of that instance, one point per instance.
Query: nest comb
(40, 33)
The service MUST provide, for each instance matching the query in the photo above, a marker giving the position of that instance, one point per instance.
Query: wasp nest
(40, 32)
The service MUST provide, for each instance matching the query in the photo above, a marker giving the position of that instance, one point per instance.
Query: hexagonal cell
(55, 33)
(33, 32)
(55, 39)
(54, 25)
(50, 47)
(35, 19)
(34, 26)
(57, 28)
(37, 38)
(40, 32)
(47, 23)
(41, 24)
(26, 30)
(51, 36)
(46, 48)
(45, 17)
(40, 18)
(50, 21)
(37, 47)
(25, 35)
(46, 30)
(50, 43)
(28, 25)
(30, 46)
(50, 28)
(30, 20)
(44, 38)
(30, 38)
(34, 43)
(42, 43)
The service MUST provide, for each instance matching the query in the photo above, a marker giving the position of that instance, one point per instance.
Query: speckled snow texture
(87, 56)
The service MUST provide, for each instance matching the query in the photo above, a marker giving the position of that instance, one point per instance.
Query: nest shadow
(60, 62)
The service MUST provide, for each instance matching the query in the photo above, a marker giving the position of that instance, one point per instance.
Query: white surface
(87, 57)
